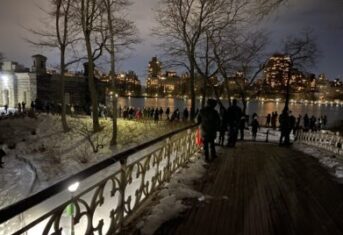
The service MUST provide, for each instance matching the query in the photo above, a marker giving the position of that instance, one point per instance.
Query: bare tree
(87, 14)
(122, 34)
(303, 52)
(64, 35)
(250, 62)
(181, 23)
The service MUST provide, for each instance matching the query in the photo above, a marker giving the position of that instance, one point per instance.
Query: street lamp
(72, 189)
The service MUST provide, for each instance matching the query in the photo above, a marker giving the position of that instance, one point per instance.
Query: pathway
(264, 189)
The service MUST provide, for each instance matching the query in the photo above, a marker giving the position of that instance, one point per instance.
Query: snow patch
(326, 158)
(171, 203)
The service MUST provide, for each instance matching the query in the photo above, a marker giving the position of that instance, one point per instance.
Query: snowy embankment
(326, 158)
(39, 154)
(172, 196)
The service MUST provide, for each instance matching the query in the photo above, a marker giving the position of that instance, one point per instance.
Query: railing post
(122, 187)
(189, 143)
(267, 137)
(168, 152)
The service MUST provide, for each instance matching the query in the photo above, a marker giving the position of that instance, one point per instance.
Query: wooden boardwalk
(264, 189)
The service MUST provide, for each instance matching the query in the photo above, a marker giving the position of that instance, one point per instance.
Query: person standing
(156, 115)
(234, 114)
(6, 108)
(242, 123)
(161, 113)
(19, 107)
(269, 118)
(209, 121)
(185, 115)
(223, 125)
(72, 110)
(284, 128)
(292, 123)
(167, 112)
(254, 127)
(273, 120)
(23, 106)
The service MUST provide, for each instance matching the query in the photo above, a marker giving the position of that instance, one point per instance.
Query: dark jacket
(234, 115)
(209, 121)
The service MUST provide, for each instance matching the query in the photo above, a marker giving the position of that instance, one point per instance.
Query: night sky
(325, 17)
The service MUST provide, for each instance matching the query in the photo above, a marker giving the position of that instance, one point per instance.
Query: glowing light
(5, 78)
(73, 187)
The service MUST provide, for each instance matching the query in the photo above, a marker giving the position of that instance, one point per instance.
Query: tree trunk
(192, 91)
(288, 90)
(113, 74)
(63, 114)
(91, 86)
(204, 89)
(244, 103)
(227, 90)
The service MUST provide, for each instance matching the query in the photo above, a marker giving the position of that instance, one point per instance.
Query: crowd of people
(233, 121)
(151, 113)
(305, 122)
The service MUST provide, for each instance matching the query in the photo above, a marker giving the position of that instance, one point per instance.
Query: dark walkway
(264, 189)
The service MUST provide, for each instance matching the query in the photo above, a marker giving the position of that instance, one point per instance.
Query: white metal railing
(322, 139)
(106, 206)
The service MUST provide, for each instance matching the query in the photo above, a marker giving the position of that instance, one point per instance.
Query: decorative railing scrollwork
(111, 201)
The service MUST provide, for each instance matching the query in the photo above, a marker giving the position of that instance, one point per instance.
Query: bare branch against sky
(325, 17)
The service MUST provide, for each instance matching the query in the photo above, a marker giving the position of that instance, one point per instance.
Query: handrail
(19, 207)
(329, 142)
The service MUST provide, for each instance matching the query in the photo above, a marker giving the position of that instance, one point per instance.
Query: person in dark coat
(242, 123)
(185, 115)
(284, 128)
(6, 108)
(161, 113)
(167, 112)
(156, 115)
(292, 122)
(223, 125)
(254, 127)
(209, 121)
(273, 120)
(269, 118)
(234, 114)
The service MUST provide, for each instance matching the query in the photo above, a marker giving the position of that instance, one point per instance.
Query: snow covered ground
(38, 144)
(171, 197)
(328, 159)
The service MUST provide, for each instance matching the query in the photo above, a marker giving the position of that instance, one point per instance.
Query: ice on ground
(171, 203)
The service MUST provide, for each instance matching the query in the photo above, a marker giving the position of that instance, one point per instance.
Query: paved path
(264, 189)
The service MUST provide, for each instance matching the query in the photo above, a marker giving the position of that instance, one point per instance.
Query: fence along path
(264, 189)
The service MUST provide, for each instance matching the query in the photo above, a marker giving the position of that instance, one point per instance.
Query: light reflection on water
(333, 112)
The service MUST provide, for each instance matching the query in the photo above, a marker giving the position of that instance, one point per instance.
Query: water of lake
(332, 111)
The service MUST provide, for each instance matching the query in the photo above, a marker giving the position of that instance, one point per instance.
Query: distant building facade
(126, 84)
(17, 84)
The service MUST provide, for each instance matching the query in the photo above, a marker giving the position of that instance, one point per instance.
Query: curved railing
(322, 139)
(111, 192)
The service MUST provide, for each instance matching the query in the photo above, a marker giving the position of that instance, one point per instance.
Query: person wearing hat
(209, 121)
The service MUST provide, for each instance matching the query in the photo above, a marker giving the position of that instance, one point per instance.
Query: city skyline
(324, 18)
